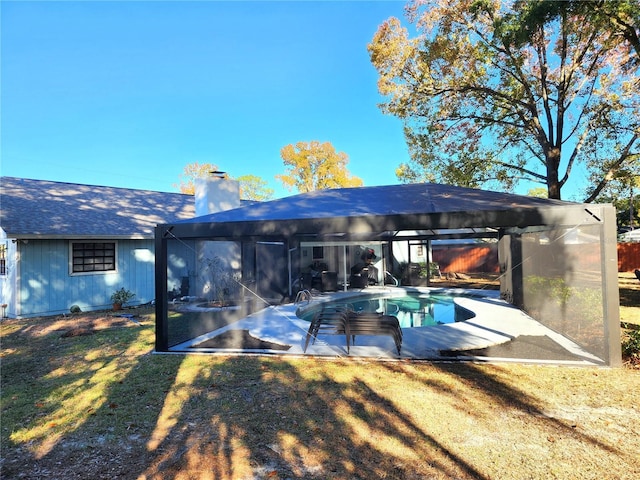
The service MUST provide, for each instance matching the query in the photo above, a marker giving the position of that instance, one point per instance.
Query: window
(420, 251)
(318, 253)
(3, 259)
(88, 257)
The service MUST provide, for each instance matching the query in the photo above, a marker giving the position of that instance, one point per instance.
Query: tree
(254, 188)
(315, 166)
(482, 104)
(621, 19)
(623, 192)
(191, 172)
(538, 192)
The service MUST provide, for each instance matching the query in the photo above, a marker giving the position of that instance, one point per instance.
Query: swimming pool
(412, 309)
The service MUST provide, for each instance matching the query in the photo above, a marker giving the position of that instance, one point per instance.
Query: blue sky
(128, 93)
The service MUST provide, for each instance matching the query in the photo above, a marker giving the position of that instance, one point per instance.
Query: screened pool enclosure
(558, 262)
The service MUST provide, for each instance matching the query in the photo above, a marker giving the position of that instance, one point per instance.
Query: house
(630, 236)
(65, 244)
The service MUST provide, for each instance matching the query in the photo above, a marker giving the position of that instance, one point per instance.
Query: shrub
(122, 296)
(631, 344)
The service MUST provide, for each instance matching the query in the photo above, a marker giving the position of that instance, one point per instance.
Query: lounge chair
(329, 321)
(344, 321)
(375, 324)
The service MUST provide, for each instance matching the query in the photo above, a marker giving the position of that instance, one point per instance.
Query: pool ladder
(396, 282)
(302, 296)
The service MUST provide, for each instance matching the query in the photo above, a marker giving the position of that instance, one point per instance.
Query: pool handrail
(302, 296)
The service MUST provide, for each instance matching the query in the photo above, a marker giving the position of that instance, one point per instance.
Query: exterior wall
(8, 280)
(45, 286)
(181, 269)
(219, 263)
(403, 251)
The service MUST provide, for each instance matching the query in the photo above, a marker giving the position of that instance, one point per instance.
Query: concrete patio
(495, 322)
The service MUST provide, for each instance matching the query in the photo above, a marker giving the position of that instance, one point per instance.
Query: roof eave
(372, 224)
(44, 236)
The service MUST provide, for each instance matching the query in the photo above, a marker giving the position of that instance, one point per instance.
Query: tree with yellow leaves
(252, 187)
(315, 166)
(191, 172)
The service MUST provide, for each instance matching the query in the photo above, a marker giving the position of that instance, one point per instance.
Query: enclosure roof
(46, 209)
(402, 199)
(376, 209)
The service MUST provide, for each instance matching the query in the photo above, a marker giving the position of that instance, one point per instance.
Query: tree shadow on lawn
(503, 395)
(269, 420)
(64, 389)
(629, 291)
(169, 416)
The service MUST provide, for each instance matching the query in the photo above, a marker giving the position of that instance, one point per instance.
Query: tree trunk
(553, 163)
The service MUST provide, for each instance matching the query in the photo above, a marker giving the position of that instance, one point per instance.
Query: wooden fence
(628, 257)
(467, 258)
(484, 258)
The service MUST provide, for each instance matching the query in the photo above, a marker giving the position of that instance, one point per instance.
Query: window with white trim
(92, 257)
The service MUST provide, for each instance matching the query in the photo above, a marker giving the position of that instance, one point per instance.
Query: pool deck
(495, 322)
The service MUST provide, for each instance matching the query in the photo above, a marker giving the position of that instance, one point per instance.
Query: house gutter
(39, 236)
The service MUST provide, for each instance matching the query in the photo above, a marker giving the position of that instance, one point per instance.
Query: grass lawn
(84, 397)
(629, 298)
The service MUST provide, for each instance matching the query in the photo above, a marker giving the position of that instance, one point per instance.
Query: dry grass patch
(629, 297)
(630, 317)
(102, 406)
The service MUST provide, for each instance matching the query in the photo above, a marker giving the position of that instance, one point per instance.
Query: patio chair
(358, 280)
(375, 324)
(328, 321)
(329, 281)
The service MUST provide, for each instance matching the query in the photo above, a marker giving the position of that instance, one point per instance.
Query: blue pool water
(412, 310)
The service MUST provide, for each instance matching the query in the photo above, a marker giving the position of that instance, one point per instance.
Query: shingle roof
(45, 209)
